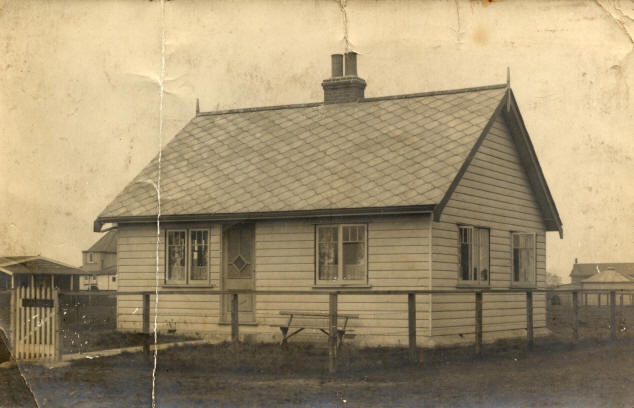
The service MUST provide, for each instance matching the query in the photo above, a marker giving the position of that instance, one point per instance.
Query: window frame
(188, 281)
(473, 282)
(90, 257)
(523, 283)
(340, 282)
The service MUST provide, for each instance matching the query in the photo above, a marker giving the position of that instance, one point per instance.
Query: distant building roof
(607, 276)
(107, 243)
(37, 265)
(590, 269)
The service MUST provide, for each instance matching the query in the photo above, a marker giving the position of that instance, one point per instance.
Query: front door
(238, 271)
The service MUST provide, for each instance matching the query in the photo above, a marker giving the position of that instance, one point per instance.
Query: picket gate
(35, 323)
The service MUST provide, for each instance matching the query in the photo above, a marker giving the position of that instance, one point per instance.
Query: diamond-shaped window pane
(240, 263)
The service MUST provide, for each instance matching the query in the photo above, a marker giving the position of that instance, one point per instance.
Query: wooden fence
(413, 350)
(82, 311)
(36, 318)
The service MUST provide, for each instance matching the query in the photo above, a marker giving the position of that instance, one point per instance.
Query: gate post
(529, 319)
(332, 333)
(12, 314)
(411, 314)
(613, 315)
(478, 322)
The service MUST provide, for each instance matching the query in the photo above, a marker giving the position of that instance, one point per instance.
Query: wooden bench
(316, 320)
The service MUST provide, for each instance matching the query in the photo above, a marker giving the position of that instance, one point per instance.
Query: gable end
(510, 113)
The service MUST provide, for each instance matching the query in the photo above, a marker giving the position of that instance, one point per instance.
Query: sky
(81, 111)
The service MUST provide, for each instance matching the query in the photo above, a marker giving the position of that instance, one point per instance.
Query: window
(473, 254)
(341, 254)
(523, 257)
(199, 259)
(187, 256)
(114, 278)
(91, 257)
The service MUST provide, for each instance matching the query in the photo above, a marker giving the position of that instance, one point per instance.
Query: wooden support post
(575, 317)
(411, 318)
(529, 320)
(235, 325)
(57, 329)
(478, 323)
(146, 323)
(332, 333)
(613, 325)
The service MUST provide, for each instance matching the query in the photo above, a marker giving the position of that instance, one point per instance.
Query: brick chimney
(342, 88)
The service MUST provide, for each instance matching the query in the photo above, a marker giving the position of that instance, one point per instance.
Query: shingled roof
(379, 152)
(346, 155)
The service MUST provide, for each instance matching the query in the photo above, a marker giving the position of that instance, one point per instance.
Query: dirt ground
(594, 373)
(553, 375)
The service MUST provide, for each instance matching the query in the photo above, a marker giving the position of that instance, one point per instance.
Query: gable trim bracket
(514, 120)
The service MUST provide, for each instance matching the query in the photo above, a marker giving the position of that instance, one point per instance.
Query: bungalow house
(436, 190)
(100, 264)
(37, 270)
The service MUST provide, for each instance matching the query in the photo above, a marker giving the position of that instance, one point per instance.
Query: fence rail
(343, 291)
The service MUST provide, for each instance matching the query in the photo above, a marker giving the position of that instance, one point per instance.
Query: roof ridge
(434, 93)
(260, 108)
(373, 99)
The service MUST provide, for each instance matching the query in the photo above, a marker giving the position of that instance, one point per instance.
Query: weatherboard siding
(137, 268)
(398, 258)
(494, 192)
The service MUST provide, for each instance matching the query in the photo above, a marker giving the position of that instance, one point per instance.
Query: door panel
(239, 269)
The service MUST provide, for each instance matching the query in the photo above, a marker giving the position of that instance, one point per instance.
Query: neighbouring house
(37, 270)
(603, 277)
(437, 190)
(100, 264)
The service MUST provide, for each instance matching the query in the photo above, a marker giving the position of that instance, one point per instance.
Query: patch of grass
(86, 341)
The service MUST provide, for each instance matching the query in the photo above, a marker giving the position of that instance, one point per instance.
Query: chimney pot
(337, 65)
(351, 63)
